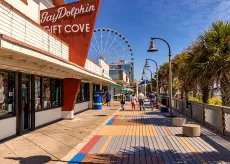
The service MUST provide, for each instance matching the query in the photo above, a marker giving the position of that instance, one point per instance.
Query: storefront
(42, 80)
(29, 101)
(22, 96)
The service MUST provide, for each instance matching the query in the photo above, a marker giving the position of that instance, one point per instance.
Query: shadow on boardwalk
(143, 155)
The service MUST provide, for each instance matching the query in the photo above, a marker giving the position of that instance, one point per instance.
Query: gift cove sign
(71, 13)
(74, 23)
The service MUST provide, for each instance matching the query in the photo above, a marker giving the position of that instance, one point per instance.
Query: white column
(91, 95)
(68, 115)
(100, 86)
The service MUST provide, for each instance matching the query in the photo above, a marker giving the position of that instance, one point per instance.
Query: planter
(164, 109)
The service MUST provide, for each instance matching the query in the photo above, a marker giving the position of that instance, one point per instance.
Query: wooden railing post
(203, 114)
(222, 120)
(191, 108)
(182, 105)
(176, 105)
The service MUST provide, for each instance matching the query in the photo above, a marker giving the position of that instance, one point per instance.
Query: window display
(6, 93)
(37, 93)
(83, 94)
(46, 93)
(56, 96)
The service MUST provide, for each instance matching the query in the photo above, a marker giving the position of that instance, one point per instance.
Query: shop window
(86, 92)
(56, 92)
(83, 94)
(46, 95)
(6, 93)
(37, 93)
(80, 97)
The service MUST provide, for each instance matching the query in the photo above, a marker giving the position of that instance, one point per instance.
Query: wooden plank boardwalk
(133, 137)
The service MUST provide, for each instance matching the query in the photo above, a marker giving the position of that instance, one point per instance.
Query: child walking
(133, 102)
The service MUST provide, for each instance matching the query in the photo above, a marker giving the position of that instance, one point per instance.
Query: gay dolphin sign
(74, 23)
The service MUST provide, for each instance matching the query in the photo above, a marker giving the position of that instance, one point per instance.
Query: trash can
(97, 100)
(163, 101)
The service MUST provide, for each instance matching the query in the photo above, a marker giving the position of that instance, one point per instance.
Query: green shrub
(215, 101)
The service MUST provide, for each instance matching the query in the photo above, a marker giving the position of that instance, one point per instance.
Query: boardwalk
(148, 137)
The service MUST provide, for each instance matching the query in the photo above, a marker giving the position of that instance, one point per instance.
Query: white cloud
(184, 14)
(222, 10)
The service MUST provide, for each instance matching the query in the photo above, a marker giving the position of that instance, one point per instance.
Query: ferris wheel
(110, 46)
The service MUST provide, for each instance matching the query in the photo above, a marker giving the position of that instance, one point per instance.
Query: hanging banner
(73, 23)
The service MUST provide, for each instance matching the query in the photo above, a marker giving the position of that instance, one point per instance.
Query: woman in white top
(133, 102)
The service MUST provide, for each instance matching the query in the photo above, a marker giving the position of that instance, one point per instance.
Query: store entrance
(26, 102)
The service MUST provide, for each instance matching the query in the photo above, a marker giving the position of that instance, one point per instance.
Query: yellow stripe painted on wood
(145, 132)
(193, 150)
(105, 145)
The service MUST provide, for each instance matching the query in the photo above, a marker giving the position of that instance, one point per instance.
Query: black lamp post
(144, 73)
(147, 66)
(152, 48)
(145, 82)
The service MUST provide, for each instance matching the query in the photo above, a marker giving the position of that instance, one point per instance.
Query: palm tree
(198, 55)
(216, 51)
(163, 74)
(181, 70)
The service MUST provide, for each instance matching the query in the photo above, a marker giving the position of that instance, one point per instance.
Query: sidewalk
(58, 141)
(121, 137)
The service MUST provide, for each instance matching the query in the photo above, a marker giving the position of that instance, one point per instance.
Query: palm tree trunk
(205, 93)
(225, 89)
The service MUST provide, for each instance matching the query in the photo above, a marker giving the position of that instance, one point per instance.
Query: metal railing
(17, 26)
(215, 117)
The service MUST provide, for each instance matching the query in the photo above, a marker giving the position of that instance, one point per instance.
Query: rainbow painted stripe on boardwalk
(137, 136)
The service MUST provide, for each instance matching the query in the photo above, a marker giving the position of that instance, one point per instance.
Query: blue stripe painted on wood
(110, 122)
(77, 158)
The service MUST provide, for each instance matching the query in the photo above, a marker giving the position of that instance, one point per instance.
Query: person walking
(108, 98)
(152, 99)
(133, 102)
(141, 98)
(122, 101)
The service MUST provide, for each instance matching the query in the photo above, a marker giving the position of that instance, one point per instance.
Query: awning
(144, 82)
(17, 56)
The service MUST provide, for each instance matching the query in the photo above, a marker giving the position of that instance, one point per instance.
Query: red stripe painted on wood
(168, 131)
(89, 145)
(115, 117)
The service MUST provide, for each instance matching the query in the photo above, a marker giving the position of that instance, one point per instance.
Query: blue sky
(177, 21)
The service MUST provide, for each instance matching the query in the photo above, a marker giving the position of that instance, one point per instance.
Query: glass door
(26, 102)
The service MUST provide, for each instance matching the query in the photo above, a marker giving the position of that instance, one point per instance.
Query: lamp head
(152, 47)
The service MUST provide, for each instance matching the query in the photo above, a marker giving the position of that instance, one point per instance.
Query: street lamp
(152, 48)
(147, 66)
(144, 73)
(145, 82)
